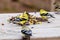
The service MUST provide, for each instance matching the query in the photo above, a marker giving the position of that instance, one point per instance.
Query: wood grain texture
(53, 38)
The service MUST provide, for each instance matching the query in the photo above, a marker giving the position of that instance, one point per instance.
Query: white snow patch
(13, 31)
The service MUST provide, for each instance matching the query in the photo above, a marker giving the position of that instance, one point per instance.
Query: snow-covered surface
(12, 31)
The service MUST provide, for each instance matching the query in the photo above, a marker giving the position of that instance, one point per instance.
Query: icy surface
(12, 31)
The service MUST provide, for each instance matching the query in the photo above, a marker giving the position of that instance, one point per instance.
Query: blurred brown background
(26, 5)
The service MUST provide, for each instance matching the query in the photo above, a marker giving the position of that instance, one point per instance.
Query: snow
(12, 31)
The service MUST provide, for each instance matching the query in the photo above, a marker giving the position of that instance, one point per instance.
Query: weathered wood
(26, 38)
